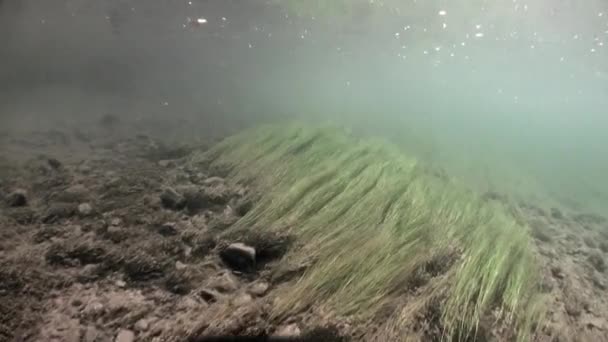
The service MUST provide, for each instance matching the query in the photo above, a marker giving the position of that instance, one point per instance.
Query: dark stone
(167, 229)
(597, 260)
(557, 272)
(171, 199)
(239, 256)
(556, 214)
(17, 198)
(209, 296)
(54, 163)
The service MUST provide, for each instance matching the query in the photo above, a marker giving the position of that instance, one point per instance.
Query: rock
(58, 211)
(194, 198)
(165, 163)
(76, 193)
(114, 230)
(84, 169)
(597, 260)
(54, 163)
(22, 215)
(225, 283)
(557, 272)
(556, 214)
(91, 334)
(125, 335)
(239, 256)
(85, 209)
(142, 325)
(209, 296)
(167, 229)
(115, 222)
(120, 283)
(213, 181)
(242, 299)
(93, 308)
(180, 265)
(259, 289)
(243, 206)
(171, 199)
(290, 330)
(17, 198)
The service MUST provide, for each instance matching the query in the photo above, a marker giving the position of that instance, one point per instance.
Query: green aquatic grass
(368, 217)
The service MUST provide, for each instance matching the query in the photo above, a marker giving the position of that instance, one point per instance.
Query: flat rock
(239, 256)
(17, 198)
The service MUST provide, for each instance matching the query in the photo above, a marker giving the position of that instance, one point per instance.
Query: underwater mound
(386, 239)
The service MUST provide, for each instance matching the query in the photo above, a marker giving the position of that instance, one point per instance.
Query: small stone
(556, 214)
(164, 163)
(171, 199)
(225, 283)
(290, 330)
(209, 296)
(85, 209)
(93, 309)
(91, 334)
(239, 257)
(114, 230)
(115, 222)
(259, 289)
(242, 299)
(17, 198)
(54, 163)
(59, 211)
(125, 336)
(167, 229)
(557, 272)
(142, 325)
(84, 169)
(598, 282)
(213, 181)
(180, 265)
(120, 283)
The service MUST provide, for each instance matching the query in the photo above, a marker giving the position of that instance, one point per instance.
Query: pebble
(125, 336)
(259, 289)
(85, 209)
(242, 299)
(225, 283)
(121, 283)
(213, 181)
(142, 325)
(180, 265)
(291, 330)
(91, 334)
(17, 198)
(171, 199)
(164, 163)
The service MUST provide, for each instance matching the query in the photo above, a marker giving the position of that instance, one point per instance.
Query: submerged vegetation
(368, 219)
